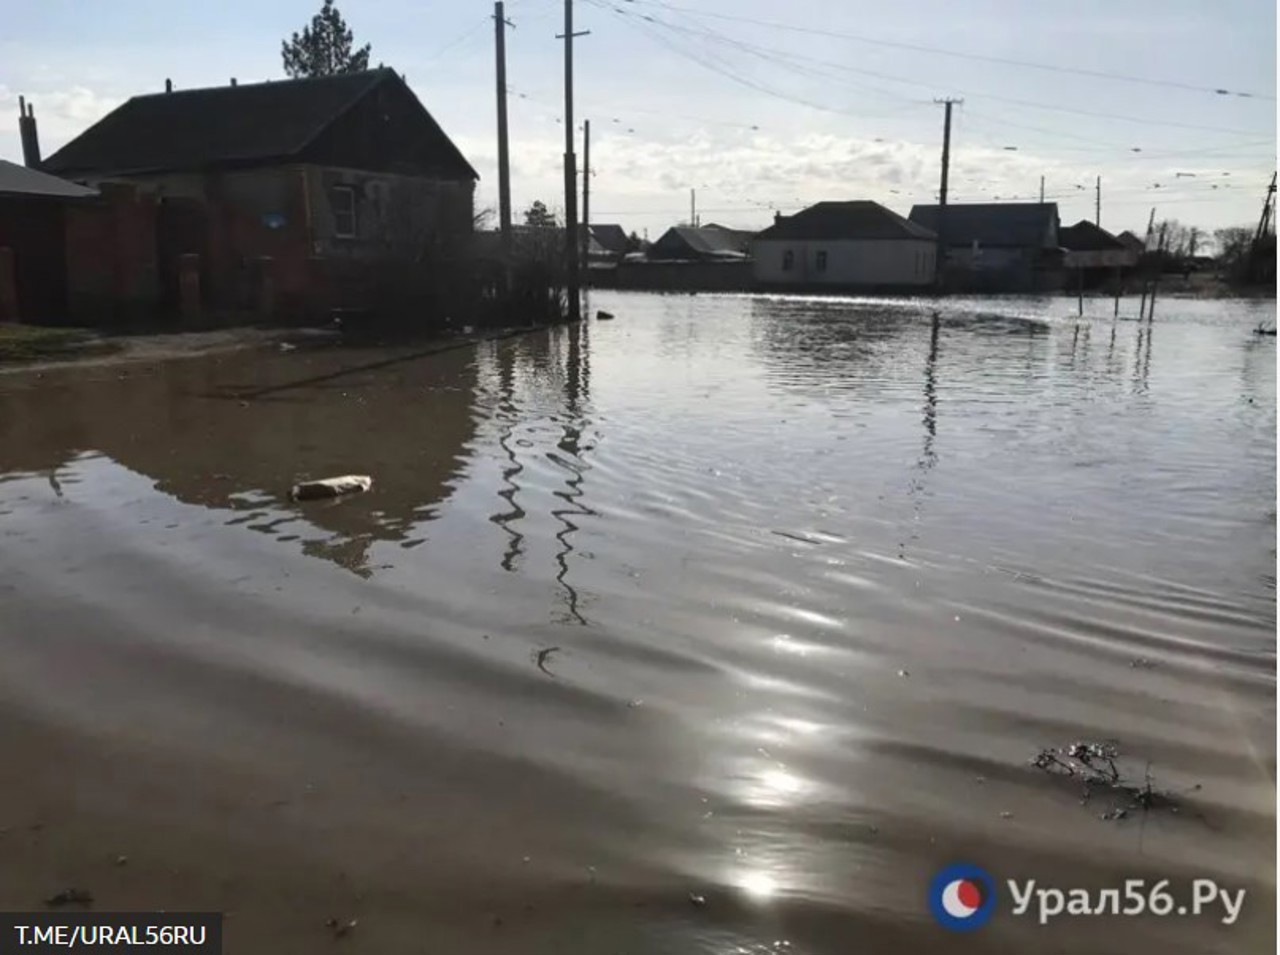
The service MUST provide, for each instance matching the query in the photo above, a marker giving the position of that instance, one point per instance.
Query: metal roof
(18, 180)
(993, 224)
(858, 219)
(227, 125)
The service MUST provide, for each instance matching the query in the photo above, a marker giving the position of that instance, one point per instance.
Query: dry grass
(20, 343)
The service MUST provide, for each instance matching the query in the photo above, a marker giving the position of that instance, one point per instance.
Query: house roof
(859, 219)
(612, 237)
(992, 224)
(225, 125)
(1084, 236)
(1131, 241)
(701, 241)
(18, 180)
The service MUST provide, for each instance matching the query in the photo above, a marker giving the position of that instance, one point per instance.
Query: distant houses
(997, 247)
(1092, 255)
(857, 245)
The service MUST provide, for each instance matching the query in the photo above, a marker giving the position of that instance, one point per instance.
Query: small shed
(33, 254)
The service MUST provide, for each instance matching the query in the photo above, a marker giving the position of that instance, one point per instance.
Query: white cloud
(61, 115)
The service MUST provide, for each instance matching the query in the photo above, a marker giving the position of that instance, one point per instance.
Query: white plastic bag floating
(331, 487)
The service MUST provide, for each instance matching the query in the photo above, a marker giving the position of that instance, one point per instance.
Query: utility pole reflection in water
(507, 414)
(928, 457)
(577, 393)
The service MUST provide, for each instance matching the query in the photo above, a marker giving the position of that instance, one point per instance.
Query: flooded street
(718, 628)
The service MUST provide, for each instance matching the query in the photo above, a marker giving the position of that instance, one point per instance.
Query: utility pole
(1266, 211)
(1263, 221)
(1097, 203)
(693, 207)
(940, 254)
(1042, 190)
(586, 188)
(500, 24)
(570, 170)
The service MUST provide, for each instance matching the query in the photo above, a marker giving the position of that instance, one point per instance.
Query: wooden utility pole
(500, 25)
(940, 254)
(586, 189)
(1146, 248)
(1097, 203)
(570, 171)
(1155, 285)
(1266, 211)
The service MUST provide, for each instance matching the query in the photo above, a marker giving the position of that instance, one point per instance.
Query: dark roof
(1084, 236)
(700, 242)
(225, 125)
(1131, 241)
(860, 219)
(612, 238)
(18, 180)
(993, 224)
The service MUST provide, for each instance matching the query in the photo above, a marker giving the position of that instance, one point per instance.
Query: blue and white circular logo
(962, 897)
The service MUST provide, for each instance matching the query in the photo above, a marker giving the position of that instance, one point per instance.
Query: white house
(850, 245)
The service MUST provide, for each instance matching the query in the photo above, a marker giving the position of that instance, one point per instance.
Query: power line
(1025, 64)
(775, 55)
(713, 63)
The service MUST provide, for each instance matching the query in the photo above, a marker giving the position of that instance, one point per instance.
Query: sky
(756, 106)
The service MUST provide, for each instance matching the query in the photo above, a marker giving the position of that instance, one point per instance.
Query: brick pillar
(8, 286)
(189, 286)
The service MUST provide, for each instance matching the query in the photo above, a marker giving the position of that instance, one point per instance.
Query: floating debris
(70, 897)
(1141, 663)
(331, 487)
(541, 659)
(122, 860)
(1094, 765)
(903, 673)
(602, 316)
(698, 900)
(341, 928)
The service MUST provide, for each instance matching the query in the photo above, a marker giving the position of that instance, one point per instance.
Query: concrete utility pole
(1097, 203)
(500, 25)
(586, 188)
(570, 170)
(693, 207)
(1042, 190)
(940, 254)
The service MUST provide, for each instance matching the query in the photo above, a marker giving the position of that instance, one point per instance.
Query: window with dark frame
(343, 200)
(821, 261)
(788, 260)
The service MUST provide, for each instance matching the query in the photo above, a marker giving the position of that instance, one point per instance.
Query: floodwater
(717, 628)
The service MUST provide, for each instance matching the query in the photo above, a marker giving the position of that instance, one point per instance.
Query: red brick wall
(111, 257)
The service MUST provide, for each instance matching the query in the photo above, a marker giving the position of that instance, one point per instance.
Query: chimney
(168, 86)
(777, 217)
(28, 135)
(233, 81)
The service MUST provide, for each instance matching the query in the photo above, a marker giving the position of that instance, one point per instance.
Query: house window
(820, 263)
(788, 260)
(343, 200)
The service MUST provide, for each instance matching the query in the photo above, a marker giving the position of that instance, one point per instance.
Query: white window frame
(340, 214)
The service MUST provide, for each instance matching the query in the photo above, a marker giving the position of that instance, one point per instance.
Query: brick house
(34, 211)
(291, 192)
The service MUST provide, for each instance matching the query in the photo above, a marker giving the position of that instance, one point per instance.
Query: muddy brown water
(718, 628)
